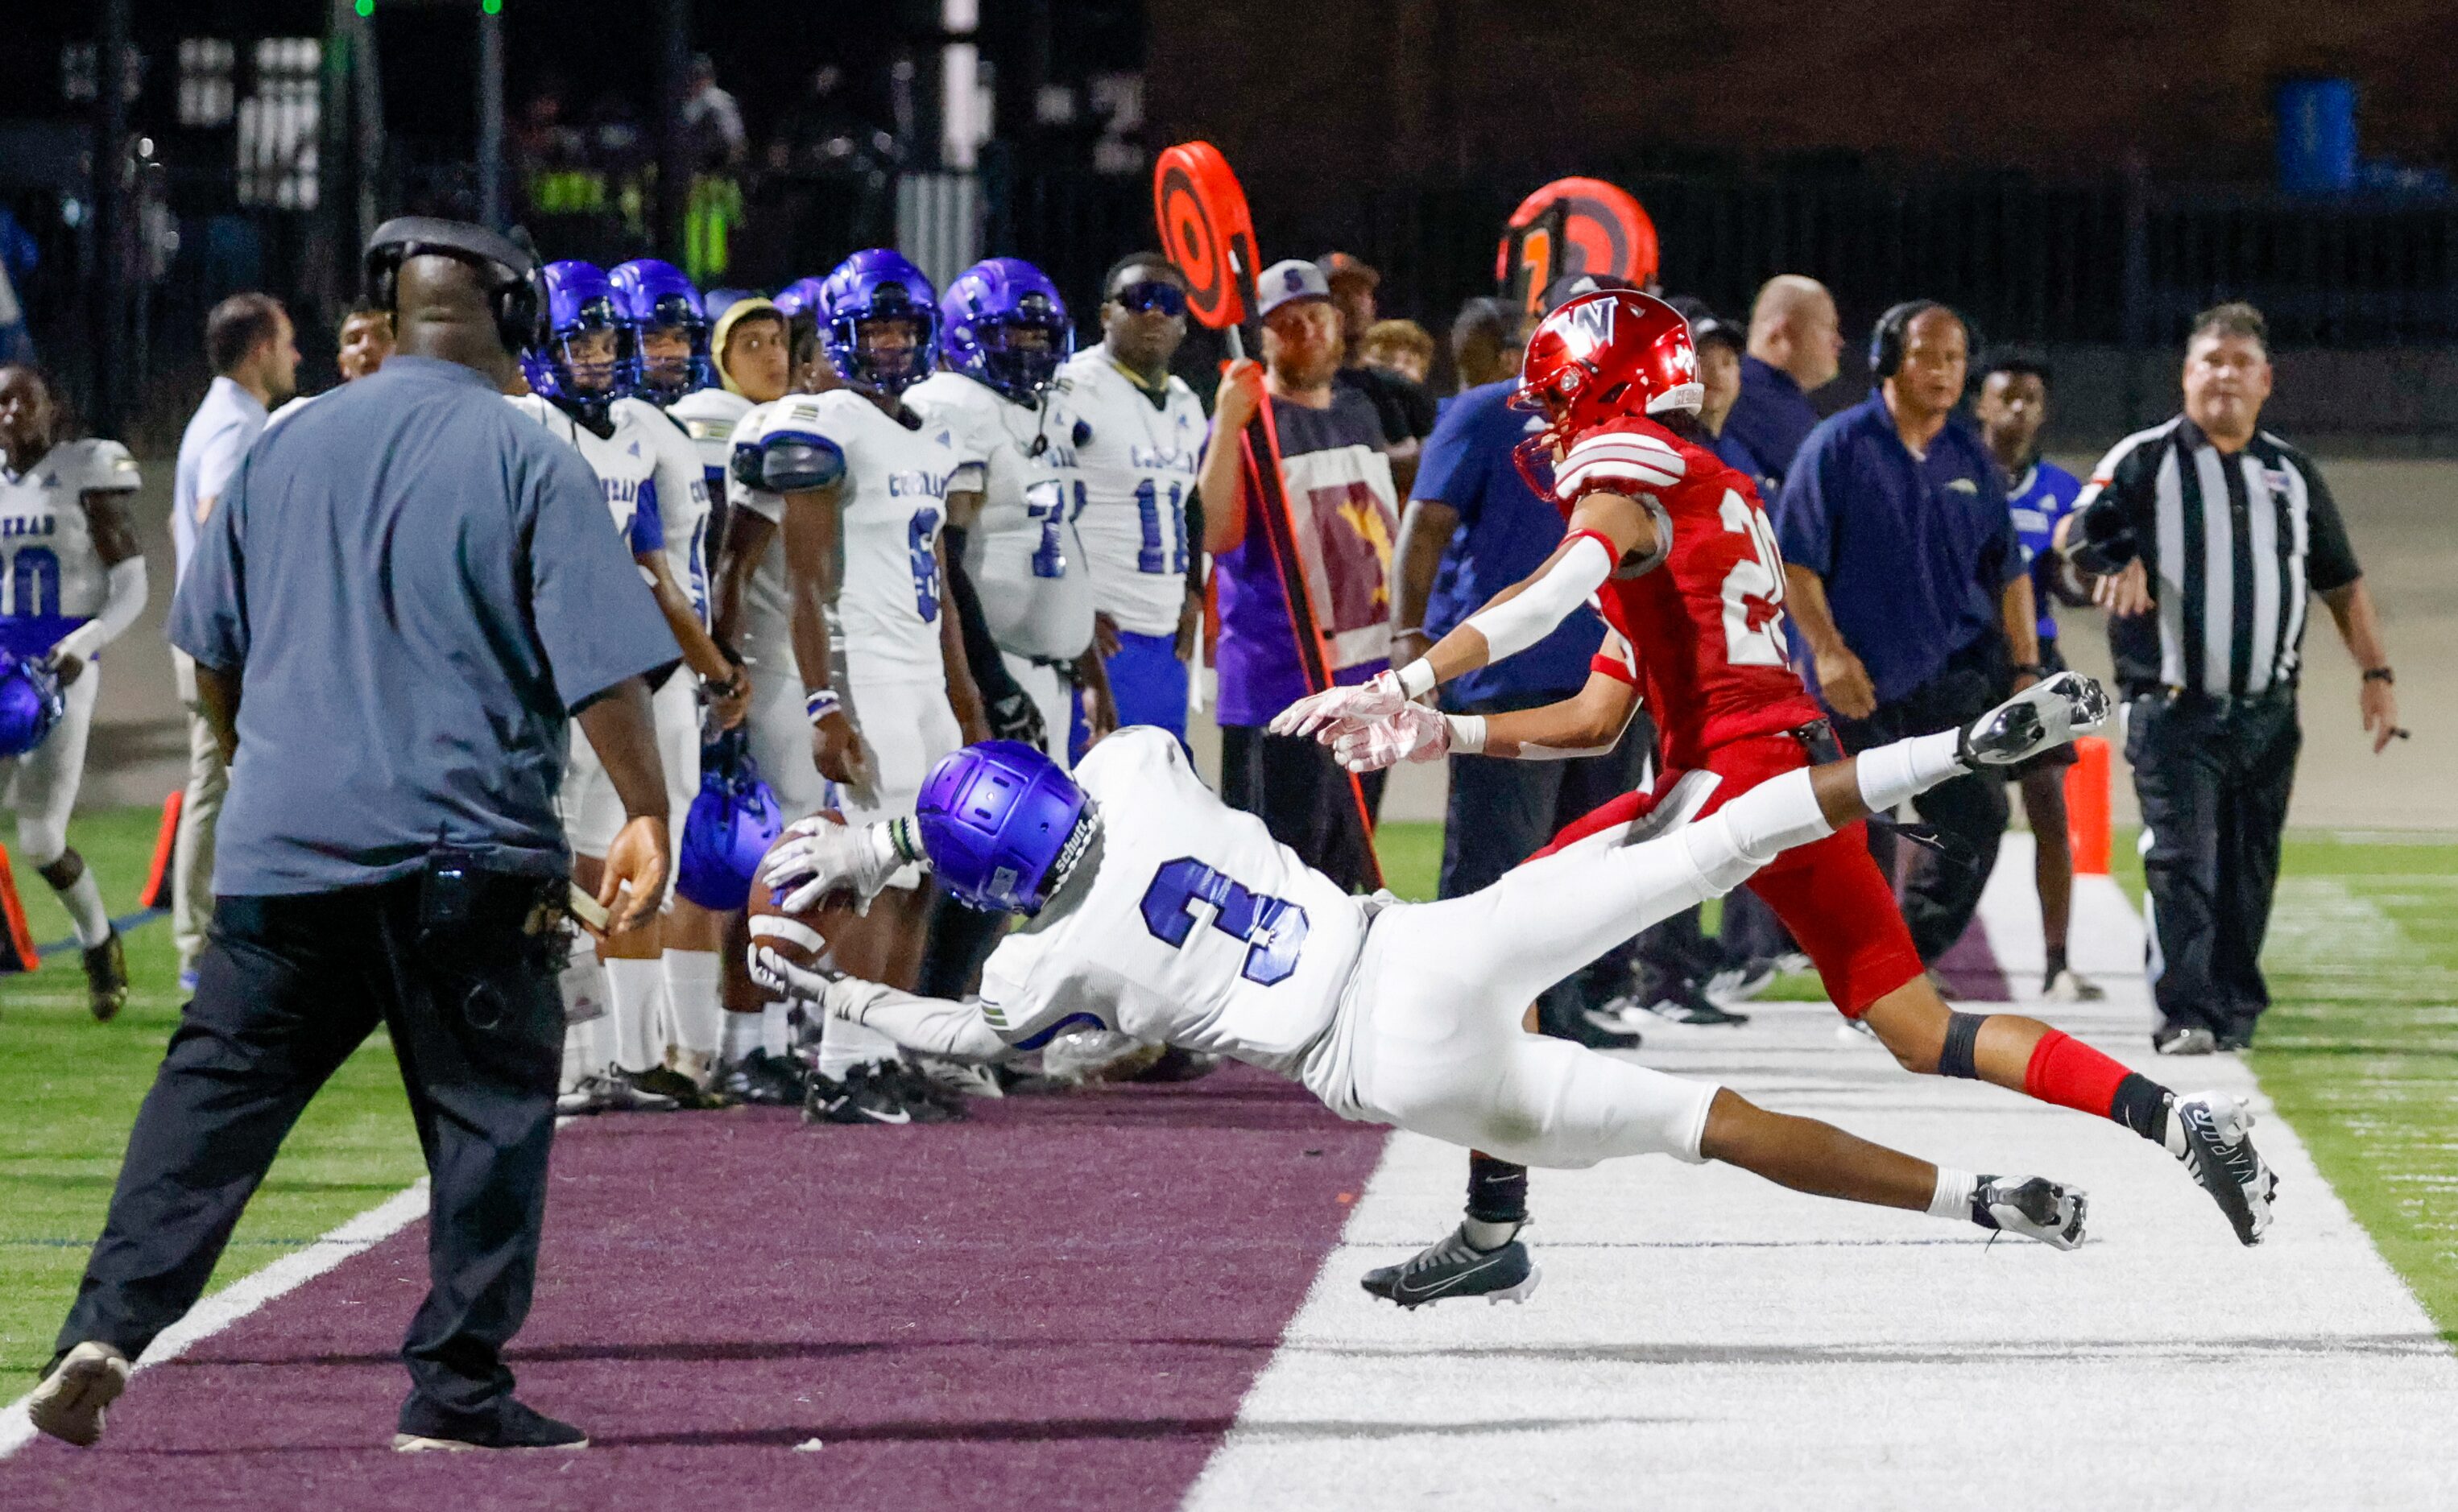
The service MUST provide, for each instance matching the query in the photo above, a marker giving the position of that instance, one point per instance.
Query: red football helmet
(1601, 357)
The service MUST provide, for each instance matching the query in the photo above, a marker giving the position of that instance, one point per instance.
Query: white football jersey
(1137, 464)
(892, 506)
(1026, 560)
(709, 416)
(52, 579)
(680, 499)
(624, 461)
(1199, 929)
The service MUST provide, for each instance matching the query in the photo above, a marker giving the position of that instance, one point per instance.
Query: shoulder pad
(106, 467)
(788, 462)
(1618, 460)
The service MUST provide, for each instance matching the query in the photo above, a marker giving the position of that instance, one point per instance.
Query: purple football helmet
(1003, 324)
(867, 296)
(580, 303)
(30, 704)
(730, 827)
(1003, 824)
(653, 296)
(800, 300)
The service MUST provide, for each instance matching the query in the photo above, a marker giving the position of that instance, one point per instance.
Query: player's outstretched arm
(933, 1026)
(1589, 723)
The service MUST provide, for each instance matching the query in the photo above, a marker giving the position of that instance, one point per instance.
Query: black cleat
(874, 1092)
(2034, 1207)
(664, 1081)
(2214, 1130)
(516, 1425)
(106, 978)
(762, 1080)
(1452, 1268)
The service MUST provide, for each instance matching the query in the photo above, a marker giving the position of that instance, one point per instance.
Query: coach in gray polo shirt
(405, 593)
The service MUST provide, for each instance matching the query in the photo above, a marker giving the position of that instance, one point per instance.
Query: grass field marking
(245, 1296)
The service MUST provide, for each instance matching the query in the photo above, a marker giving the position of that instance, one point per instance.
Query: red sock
(2066, 1071)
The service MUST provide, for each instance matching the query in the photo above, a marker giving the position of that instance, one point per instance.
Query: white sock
(740, 1035)
(694, 1009)
(636, 992)
(576, 1063)
(777, 1029)
(586, 1049)
(83, 899)
(844, 1044)
(1893, 773)
(1952, 1198)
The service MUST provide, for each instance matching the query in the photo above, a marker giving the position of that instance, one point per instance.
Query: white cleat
(70, 1401)
(2041, 717)
(2034, 1207)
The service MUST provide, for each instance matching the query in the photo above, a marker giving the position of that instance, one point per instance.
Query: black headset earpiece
(514, 301)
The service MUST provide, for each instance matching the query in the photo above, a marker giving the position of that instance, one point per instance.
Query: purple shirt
(1339, 491)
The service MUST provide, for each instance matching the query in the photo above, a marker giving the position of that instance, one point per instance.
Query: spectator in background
(2208, 660)
(713, 120)
(1336, 469)
(1403, 348)
(365, 341)
(255, 357)
(1404, 409)
(1139, 440)
(1474, 528)
(1794, 346)
(2014, 405)
(717, 146)
(1907, 581)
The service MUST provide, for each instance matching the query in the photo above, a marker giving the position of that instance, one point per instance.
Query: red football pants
(1828, 892)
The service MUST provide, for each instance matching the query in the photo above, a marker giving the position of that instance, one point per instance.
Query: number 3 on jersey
(1753, 589)
(923, 538)
(1273, 928)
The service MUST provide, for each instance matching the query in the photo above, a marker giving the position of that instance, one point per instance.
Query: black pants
(1942, 891)
(2213, 777)
(1303, 797)
(287, 988)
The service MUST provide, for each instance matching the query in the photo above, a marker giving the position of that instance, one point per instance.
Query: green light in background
(494, 8)
(365, 8)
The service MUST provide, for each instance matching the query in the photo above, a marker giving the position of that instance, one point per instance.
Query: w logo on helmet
(1594, 320)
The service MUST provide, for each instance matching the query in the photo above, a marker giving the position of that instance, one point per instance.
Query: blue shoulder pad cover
(789, 462)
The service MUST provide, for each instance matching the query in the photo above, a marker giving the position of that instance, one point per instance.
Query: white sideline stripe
(1703, 1338)
(245, 1296)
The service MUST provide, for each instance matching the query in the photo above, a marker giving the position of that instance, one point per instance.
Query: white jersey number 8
(1753, 589)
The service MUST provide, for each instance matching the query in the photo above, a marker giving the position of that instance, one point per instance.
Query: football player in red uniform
(1675, 551)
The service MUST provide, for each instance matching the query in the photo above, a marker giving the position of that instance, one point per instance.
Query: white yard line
(245, 1296)
(1704, 1338)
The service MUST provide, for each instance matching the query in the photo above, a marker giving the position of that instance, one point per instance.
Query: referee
(2208, 535)
(405, 591)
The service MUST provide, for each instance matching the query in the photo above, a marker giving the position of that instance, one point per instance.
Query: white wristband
(1417, 678)
(1468, 733)
(819, 704)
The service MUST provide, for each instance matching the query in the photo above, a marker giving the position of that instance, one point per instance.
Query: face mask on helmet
(30, 705)
(584, 348)
(880, 321)
(670, 354)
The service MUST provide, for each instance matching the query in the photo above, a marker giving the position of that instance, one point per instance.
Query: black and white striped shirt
(2233, 546)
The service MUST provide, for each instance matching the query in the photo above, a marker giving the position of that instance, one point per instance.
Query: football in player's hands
(795, 928)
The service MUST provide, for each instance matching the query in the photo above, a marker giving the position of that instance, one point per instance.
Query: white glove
(1377, 699)
(807, 985)
(1413, 732)
(817, 855)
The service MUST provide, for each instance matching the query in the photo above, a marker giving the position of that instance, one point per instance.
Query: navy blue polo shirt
(1767, 425)
(415, 583)
(1505, 533)
(1915, 552)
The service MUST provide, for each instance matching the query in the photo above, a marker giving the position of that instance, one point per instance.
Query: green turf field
(68, 1090)
(2360, 1055)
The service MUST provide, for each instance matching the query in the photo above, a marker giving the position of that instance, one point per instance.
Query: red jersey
(1699, 629)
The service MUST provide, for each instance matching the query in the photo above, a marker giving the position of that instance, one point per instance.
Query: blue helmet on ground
(730, 827)
(879, 319)
(651, 297)
(1002, 324)
(30, 704)
(1003, 825)
(579, 305)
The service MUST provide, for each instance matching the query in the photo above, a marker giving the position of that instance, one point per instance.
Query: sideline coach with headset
(1906, 578)
(2209, 535)
(407, 592)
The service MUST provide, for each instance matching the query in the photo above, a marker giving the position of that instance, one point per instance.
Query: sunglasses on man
(1152, 296)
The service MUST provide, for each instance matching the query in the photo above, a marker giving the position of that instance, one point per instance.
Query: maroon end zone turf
(1057, 1304)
